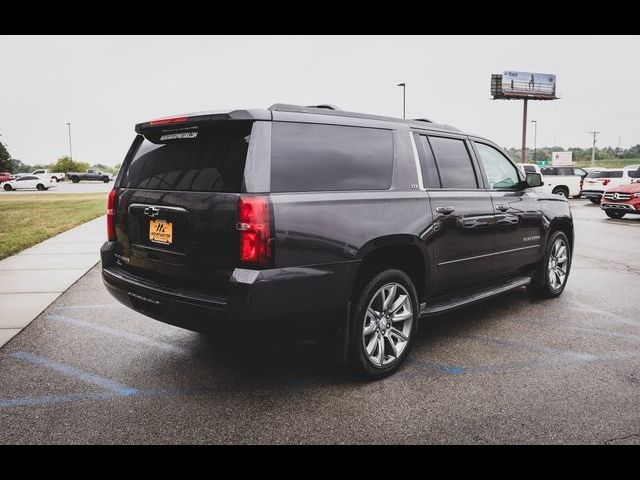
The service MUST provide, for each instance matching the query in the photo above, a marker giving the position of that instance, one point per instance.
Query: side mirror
(534, 180)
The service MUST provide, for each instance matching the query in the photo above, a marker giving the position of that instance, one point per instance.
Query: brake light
(111, 215)
(605, 181)
(255, 230)
(168, 121)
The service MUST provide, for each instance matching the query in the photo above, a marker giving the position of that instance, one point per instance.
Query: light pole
(535, 138)
(404, 86)
(70, 150)
(593, 149)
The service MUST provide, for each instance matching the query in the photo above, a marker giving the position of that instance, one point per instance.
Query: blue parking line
(74, 372)
(117, 333)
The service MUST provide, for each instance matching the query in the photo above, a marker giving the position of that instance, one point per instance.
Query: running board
(462, 299)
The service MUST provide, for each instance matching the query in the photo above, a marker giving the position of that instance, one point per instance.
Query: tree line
(579, 154)
(64, 164)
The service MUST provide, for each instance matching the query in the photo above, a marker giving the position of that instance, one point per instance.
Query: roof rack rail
(286, 107)
(422, 120)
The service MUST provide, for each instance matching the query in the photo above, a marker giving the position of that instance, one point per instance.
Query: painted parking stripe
(134, 337)
(74, 372)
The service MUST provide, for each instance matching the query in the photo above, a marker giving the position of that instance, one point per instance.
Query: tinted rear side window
(454, 163)
(634, 173)
(312, 157)
(211, 161)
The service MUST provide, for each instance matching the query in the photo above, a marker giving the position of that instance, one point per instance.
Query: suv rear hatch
(177, 202)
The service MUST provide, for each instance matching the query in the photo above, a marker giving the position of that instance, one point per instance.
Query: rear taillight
(111, 215)
(255, 230)
(605, 181)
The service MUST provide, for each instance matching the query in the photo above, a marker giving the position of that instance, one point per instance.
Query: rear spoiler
(195, 118)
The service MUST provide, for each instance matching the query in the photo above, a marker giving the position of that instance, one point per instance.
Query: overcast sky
(104, 85)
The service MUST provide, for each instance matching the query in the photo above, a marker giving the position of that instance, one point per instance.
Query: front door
(518, 215)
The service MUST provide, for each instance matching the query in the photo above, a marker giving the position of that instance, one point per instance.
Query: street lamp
(70, 150)
(403, 85)
(535, 138)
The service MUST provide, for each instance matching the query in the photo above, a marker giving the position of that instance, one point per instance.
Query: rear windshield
(207, 158)
(607, 174)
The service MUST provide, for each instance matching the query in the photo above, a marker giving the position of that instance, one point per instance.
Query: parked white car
(30, 182)
(600, 180)
(565, 185)
(57, 176)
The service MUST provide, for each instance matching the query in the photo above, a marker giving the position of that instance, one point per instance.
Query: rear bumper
(289, 302)
(592, 193)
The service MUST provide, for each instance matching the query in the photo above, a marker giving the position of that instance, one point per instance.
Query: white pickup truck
(57, 176)
(565, 185)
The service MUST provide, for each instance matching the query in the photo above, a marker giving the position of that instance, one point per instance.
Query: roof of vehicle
(267, 114)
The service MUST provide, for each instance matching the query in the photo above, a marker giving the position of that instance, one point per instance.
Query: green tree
(66, 164)
(5, 164)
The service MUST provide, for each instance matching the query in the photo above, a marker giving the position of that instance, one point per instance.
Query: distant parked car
(57, 176)
(91, 174)
(5, 177)
(27, 182)
(619, 201)
(560, 172)
(564, 185)
(598, 181)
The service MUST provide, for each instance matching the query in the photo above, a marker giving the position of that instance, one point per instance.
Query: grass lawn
(31, 218)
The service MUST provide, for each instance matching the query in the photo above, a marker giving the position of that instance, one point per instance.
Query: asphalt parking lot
(510, 370)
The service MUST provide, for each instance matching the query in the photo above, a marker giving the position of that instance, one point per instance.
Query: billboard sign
(528, 84)
(562, 159)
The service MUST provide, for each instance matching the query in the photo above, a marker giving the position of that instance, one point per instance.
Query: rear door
(177, 203)
(462, 212)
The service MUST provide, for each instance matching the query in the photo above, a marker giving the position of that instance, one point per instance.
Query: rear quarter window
(315, 157)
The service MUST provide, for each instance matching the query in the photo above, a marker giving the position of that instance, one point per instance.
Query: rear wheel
(562, 191)
(40, 187)
(594, 200)
(7, 187)
(105, 179)
(551, 275)
(383, 324)
(614, 214)
(75, 179)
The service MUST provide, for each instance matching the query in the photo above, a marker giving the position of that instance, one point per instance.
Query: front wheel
(7, 187)
(75, 179)
(594, 200)
(614, 214)
(562, 191)
(383, 324)
(40, 187)
(551, 275)
(105, 179)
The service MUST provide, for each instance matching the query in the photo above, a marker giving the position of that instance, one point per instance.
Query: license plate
(161, 231)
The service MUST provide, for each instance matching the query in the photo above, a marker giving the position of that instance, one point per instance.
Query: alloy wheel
(558, 263)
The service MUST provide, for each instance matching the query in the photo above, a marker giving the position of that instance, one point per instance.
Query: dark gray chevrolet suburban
(317, 223)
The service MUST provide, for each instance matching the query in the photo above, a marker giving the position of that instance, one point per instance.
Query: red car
(621, 200)
(5, 177)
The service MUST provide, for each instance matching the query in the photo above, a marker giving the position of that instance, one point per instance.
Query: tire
(75, 179)
(40, 187)
(56, 179)
(594, 200)
(544, 284)
(562, 191)
(7, 187)
(614, 214)
(381, 351)
(105, 179)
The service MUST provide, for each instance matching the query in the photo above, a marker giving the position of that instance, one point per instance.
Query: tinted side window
(530, 169)
(546, 171)
(454, 163)
(615, 174)
(430, 176)
(634, 173)
(312, 157)
(501, 173)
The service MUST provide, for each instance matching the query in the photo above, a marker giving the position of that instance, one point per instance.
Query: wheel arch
(402, 251)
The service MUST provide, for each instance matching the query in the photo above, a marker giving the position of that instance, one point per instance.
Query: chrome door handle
(445, 210)
(502, 208)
